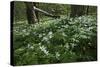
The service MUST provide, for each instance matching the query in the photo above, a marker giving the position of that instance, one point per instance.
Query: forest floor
(55, 40)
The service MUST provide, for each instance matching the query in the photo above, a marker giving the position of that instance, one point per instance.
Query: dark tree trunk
(32, 12)
(77, 10)
(31, 16)
(87, 10)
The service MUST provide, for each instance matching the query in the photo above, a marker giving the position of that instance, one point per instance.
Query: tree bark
(87, 10)
(36, 12)
(77, 10)
(31, 15)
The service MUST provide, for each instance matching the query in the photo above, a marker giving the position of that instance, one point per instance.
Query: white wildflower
(50, 36)
(45, 39)
(44, 50)
(28, 45)
(67, 46)
(43, 34)
(40, 35)
(31, 47)
(39, 43)
(24, 30)
(50, 33)
(57, 55)
(63, 34)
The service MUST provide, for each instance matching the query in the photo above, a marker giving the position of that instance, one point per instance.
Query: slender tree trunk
(36, 12)
(87, 10)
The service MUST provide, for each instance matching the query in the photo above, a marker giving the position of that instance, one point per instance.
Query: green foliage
(56, 41)
(19, 11)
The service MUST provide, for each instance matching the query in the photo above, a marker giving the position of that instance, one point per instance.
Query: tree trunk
(77, 10)
(87, 10)
(31, 16)
(36, 12)
(32, 13)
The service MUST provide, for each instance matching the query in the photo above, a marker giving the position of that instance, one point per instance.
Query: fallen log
(45, 13)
